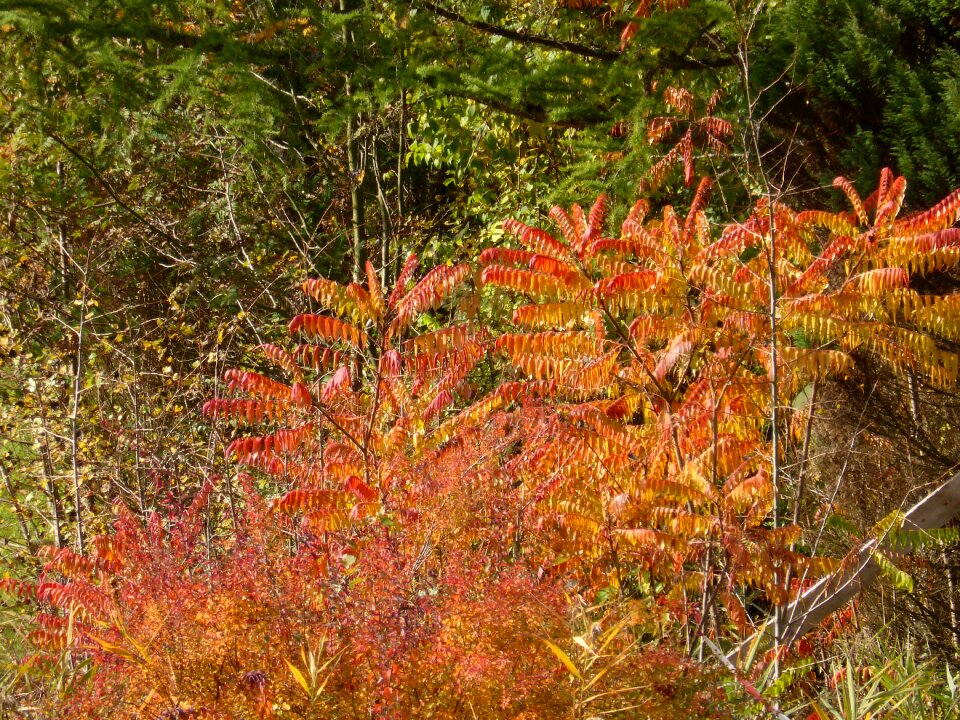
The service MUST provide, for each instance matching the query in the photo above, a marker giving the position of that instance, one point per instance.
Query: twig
(768, 705)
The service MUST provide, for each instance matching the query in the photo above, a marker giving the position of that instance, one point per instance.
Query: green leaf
(913, 540)
(896, 577)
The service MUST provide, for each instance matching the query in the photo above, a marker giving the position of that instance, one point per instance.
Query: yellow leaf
(564, 658)
(594, 680)
(150, 696)
(298, 676)
(116, 650)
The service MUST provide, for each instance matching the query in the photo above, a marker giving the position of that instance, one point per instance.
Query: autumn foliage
(434, 517)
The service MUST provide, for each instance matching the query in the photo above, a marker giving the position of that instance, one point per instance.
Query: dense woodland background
(172, 172)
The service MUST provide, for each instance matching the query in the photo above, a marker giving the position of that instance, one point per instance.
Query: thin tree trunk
(354, 162)
(386, 224)
(18, 510)
(384, 247)
(952, 604)
(914, 399)
(62, 245)
(356, 201)
(801, 482)
(775, 406)
(752, 145)
(805, 454)
(51, 484)
(74, 423)
(141, 492)
(914, 392)
(398, 250)
(75, 413)
(233, 505)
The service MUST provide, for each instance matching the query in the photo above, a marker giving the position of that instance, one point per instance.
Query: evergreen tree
(870, 84)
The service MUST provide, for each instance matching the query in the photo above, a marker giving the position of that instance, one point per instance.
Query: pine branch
(671, 61)
(57, 23)
(536, 114)
(524, 37)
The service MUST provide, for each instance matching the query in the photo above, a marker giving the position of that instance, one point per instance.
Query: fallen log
(832, 592)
